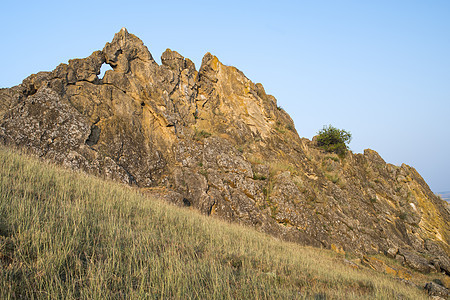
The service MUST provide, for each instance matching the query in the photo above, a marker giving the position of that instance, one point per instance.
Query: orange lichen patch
(404, 274)
(337, 249)
(301, 228)
(215, 63)
(285, 222)
(225, 136)
(380, 266)
(248, 194)
(373, 263)
(213, 209)
(389, 270)
(432, 221)
(446, 281)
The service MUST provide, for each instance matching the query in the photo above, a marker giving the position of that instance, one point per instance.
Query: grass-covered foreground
(67, 235)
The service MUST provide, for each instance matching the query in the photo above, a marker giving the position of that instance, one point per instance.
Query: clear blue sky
(380, 69)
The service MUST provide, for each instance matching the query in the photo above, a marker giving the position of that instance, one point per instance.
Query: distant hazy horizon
(444, 195)
(380, 70)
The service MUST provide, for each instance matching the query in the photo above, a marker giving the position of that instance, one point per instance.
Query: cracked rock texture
(214, 140)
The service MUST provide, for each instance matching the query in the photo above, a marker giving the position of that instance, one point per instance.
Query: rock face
(214, 140)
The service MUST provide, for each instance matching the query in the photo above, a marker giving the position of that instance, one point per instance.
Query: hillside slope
(66, 235)
(213, 140)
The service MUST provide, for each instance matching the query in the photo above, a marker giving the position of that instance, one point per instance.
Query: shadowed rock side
(214, 140)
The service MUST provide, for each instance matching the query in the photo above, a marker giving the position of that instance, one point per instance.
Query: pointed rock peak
(172, 59)
(169, 56)
(124, 48)
(211, 61)
(169, 53)
(208, 56)
(176, 61)
(373, 156)
(122, 35)
(122, 32)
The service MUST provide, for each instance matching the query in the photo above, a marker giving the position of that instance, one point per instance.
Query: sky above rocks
(379, 69)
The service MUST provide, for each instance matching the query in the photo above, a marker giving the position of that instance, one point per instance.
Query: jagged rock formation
(214, 140)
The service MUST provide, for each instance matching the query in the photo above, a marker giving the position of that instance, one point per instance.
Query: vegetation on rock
(332, 139)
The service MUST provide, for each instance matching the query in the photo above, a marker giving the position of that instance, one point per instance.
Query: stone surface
(380, 266)
(442, 264)
(435, 289)
(214, 140)
(416, 262)
(391, 252)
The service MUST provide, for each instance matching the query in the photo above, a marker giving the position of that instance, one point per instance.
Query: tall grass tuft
(68, 235)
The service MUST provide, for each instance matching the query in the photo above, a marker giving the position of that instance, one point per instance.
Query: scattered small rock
(435, 289)
(391, 252)
(417, 262)
(351, 264)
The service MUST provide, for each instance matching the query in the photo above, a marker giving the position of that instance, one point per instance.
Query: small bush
(259, 177)
(201, 135)
(334, 140)
(402, 216)
(334, 178)
(280, 130)
(333, 158)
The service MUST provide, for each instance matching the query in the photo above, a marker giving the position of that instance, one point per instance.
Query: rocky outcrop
(214, 140)
(438, 290)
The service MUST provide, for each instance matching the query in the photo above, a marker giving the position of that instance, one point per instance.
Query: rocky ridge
(214, 140)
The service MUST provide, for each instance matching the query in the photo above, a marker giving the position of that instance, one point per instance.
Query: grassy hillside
(68, 235)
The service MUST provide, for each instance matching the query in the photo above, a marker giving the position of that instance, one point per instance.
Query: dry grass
(68, 235)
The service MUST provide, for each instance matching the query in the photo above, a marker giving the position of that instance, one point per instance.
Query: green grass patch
(333, 158)
(334, 178)
(259, 177)
(202, 134)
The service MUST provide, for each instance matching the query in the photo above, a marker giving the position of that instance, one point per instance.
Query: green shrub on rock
(332, 139)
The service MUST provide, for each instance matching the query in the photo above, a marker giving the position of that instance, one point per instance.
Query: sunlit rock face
(213, 140)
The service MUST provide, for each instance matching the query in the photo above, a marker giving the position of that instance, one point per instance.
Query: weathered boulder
(435, 289)
(442, 264)
(85, 69)
(416, 262)
(124, 49)
(391, 252)
(37, 122)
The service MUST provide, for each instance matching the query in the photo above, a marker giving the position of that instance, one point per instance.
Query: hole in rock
(105, 67)
(186, 202)
(94, 136)
(30, 91)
